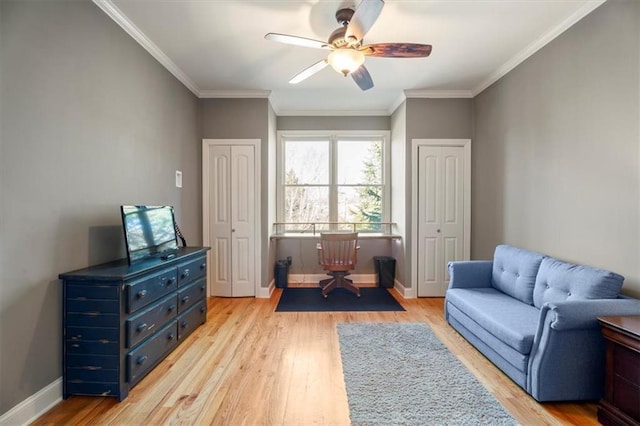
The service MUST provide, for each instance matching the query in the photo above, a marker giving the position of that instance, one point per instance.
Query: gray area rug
(401, 374)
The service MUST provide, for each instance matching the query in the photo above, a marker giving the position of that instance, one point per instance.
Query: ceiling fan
(346, 45)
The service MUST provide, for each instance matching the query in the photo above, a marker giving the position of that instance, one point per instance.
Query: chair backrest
(338, 251)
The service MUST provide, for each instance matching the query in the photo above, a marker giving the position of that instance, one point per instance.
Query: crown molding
(537, 45)
(235, 93)
(396, 104)
(116, 14)
(438, 94)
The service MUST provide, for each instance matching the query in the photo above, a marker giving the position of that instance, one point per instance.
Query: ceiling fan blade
(363, 19)
(362, 78)
(309, 71)
(298, 41)
(397, 50)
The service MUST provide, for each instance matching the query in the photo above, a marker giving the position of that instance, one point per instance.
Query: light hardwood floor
(251, 365)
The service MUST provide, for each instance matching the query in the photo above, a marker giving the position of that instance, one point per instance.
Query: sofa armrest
(579, 314)
(567, 357)
(470, 273)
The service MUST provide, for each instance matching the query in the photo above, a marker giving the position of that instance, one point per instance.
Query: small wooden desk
(621, 402)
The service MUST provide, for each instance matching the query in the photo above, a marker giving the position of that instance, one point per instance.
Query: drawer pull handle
(171, 308)
(141, 360)
(203, 265)
(75, 345)
(184, 324)
(202, 309)
(104, 341)
(171, 336)
(92, 368)
(142, 293)
(185, 299)
(202, 287)
(141, 327)
(169, 281)
(185, 273)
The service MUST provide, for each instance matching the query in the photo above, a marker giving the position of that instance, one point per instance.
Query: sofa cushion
(514, 272)
(559, 281)
(507, 319)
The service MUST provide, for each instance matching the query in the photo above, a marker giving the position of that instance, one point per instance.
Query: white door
(441, 215)
(230, 181)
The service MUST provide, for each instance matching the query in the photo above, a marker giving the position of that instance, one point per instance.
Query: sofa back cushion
(558, 281)
(514, 272)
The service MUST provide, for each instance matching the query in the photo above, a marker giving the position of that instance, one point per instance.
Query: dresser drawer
(141, 293)
(92, 333)
(93, 306)
(92, 319)
(83, 292)
(83, 388)
(151, 320)
(104, 347)
(146, 356)
(93, 362)
(191, 271)
(91, 374)
(191, 319)
(189, 295)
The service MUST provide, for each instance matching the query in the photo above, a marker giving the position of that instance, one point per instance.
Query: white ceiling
(217, 47)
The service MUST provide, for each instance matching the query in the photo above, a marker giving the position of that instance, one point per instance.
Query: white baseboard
(406, 292)
(265, 292)
(35, 405)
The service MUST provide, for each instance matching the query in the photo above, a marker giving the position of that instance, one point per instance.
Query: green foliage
(369, 208)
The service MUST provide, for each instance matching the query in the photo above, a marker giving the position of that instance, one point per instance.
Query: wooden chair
(337, 253)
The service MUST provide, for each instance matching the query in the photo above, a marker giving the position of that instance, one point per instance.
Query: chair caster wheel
(358, 296)
(325, 295)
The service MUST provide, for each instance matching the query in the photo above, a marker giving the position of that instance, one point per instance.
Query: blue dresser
(121, 320)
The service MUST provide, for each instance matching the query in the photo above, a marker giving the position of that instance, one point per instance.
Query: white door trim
(415, 144)
(206, 143)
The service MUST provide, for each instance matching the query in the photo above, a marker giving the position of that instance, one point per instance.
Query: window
(329, 178)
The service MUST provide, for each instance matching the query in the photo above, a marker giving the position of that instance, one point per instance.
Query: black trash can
(281, 273)
(386, 270)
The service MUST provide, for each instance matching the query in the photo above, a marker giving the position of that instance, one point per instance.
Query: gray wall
(431, 119)
(556, 149)
(244, 119)
(334, 123)
(89, 121)
(398, 190)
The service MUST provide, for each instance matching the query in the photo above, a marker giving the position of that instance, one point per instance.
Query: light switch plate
(178, 179)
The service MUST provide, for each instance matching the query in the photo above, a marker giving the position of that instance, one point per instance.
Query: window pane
(360, 204)
(306, 162)
(359, 162)
(306, 204)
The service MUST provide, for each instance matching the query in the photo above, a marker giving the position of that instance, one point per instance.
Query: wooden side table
(621, 402)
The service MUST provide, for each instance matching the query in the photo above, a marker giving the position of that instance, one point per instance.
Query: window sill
(361, 236)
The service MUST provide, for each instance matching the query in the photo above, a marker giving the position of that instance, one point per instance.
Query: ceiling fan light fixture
(345, 61)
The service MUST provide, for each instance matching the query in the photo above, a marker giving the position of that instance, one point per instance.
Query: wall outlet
(178, 179)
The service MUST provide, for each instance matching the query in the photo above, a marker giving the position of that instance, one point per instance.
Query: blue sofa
(534, 317)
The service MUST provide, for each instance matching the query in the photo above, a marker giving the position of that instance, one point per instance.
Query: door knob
(233, 230)
(438, 231)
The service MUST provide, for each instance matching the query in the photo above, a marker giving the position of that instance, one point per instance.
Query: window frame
(333, 136)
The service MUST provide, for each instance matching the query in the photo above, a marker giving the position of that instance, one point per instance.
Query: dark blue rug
(311, 300)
